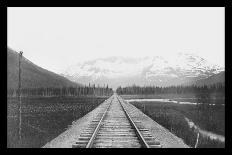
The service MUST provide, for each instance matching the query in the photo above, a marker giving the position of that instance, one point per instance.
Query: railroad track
(113, 127)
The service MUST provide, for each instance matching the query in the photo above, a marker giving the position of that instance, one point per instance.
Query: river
(205, 133)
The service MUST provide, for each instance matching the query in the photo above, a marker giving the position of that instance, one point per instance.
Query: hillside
(32, 75)
(217, 78)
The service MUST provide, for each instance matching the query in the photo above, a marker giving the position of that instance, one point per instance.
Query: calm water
(164, 100)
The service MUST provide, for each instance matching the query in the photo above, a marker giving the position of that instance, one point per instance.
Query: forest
(131, 90)
(62, 91)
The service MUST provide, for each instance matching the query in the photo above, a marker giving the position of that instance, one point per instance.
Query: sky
(55, 38)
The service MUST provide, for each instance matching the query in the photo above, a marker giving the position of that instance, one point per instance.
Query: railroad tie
(113, 127)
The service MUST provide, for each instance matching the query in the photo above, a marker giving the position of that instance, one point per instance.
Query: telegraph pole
(197, 139)
(19, 98)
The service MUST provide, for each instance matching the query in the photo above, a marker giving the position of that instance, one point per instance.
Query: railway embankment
(71, 135)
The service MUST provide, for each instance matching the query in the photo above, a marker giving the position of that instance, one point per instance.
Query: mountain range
(32, 75)
(217, 78)
(182, 69)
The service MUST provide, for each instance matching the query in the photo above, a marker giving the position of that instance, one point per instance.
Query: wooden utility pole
(144, 107)
(19, 98)
(197, 140)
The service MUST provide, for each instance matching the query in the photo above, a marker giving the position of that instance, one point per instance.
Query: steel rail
(137, 132)
(90, 143)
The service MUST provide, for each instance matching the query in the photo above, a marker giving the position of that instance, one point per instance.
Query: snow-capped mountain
(156, 70)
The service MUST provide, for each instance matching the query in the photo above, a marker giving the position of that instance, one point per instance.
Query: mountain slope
(156, 70)
(32, 75)
(217, 78)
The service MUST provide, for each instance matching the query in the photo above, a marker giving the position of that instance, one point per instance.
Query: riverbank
(205, 133)
(172, 116)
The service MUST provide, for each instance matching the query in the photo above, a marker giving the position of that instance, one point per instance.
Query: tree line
(132, 90)
(63, 91)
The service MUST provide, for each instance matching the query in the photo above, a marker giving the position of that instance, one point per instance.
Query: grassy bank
(172, 116)
(44, 118)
